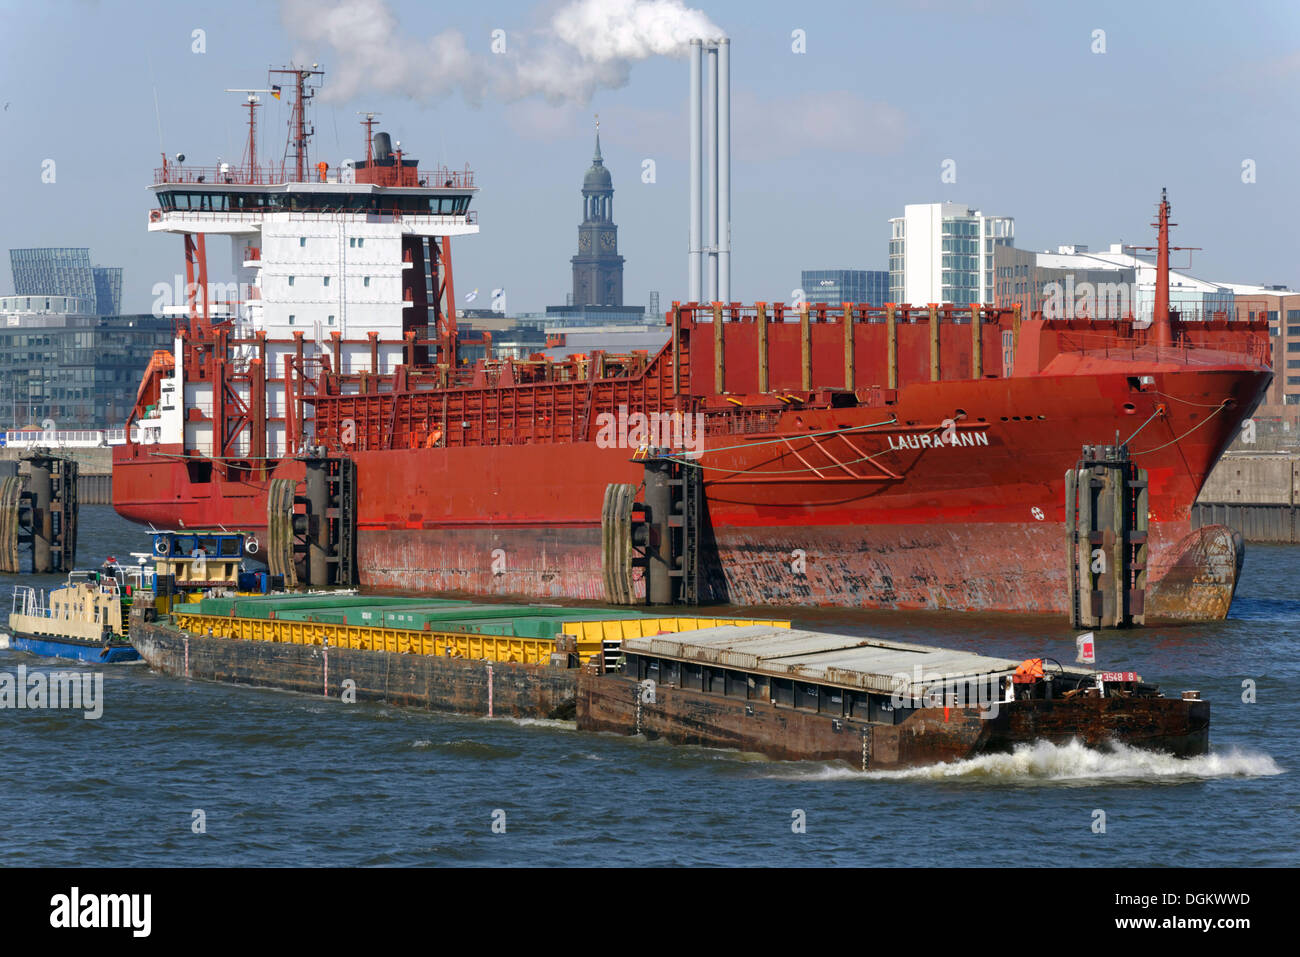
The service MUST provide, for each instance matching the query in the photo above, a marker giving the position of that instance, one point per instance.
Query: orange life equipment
(1030, 670)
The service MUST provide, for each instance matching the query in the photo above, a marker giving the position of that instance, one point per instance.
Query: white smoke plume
(586, 46)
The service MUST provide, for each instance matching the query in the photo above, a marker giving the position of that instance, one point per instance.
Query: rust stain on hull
(997, 567)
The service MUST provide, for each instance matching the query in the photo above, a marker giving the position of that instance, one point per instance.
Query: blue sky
(828, 144)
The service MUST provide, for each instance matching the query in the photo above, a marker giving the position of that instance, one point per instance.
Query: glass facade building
(59, 271)
(108, 289)
(845, 285)
(943, 252)
(79, 371)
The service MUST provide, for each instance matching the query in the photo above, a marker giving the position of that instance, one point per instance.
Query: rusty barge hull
(452, 685)
(927, 736)
(743, 716)
(877, 704)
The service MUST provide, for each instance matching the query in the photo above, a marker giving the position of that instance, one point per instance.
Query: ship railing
(62, 438)
(743, 422)
(775, 312)
(28, 601)
(222, 175)
(380, 215)
(228, 174)
(1141, 344)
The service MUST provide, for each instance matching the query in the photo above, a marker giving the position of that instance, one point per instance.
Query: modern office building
(943, 252)
(1281, 306)
(57, 271)
(564, 341)
(1084, 289)
(1190, 297)
(61, 362)
(841, 284)
(108, 289)
(589, 315)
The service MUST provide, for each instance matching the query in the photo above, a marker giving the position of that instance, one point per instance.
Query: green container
(413, 614)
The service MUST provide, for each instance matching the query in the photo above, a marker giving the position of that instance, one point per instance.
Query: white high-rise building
(943, 252)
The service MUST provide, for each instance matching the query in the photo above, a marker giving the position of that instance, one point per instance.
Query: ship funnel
(709, 243)
(383, 146)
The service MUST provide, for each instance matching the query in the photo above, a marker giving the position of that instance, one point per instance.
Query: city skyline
(842, 140)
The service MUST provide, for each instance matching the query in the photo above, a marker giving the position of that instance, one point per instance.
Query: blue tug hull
(92, 652)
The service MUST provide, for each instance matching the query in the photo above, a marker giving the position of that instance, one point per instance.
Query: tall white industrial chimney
(708, 258)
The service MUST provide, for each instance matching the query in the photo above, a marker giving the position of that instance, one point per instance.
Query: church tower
(598, 268)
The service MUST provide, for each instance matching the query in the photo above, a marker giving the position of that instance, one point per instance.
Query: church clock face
(584, 242)
(607, 241)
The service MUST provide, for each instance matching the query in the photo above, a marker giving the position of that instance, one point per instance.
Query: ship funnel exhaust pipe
(708, 257)
(383, 146)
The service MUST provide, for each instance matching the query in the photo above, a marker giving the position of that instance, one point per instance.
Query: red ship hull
(973, 525)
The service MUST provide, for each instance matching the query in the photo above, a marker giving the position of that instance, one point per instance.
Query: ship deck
(870, 664)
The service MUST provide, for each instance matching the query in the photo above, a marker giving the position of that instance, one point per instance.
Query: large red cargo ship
(856, 455)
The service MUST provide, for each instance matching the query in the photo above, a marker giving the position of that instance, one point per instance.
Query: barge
(757, 686)
(879, 705)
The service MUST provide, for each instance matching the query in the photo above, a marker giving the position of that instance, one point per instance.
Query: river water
(189, 773)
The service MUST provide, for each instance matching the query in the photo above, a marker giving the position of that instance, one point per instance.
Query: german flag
(275, 92)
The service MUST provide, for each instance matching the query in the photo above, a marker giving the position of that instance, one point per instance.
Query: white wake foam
(1072, 764)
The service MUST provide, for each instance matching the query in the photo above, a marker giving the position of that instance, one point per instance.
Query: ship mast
(252, 104)
(369, 124)
(1161, 321)
(1164, 335)
(298, 131)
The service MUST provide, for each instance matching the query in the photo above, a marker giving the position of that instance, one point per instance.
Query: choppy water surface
(285, 779)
